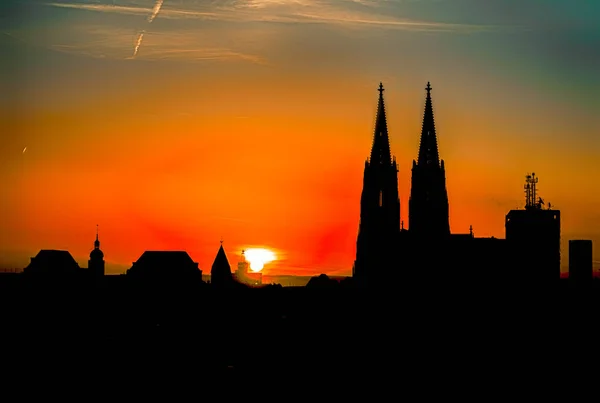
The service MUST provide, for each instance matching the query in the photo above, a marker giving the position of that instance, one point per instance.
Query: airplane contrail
(155, 10)
(151, 18)
(138, 43)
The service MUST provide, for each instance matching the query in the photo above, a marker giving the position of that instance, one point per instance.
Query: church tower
(428, 213)
(96, 262)
(220, 273)
(379, 207)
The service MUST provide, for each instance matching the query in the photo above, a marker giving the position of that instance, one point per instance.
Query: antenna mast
(530, 190)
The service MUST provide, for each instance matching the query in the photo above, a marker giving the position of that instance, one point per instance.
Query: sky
(249, 121)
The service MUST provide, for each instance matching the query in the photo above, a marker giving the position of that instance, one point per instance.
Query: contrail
(138, 43)
(151, 18)
(155, 10)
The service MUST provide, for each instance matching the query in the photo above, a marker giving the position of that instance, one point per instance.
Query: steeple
(380, 152)
(96, 242)
(220, 273)
(428, 203)
(428, 149)
(379, 224)
(96, 262)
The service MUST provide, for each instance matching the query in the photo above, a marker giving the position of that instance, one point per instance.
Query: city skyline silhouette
(532, 245)
(274, 127)
(270, 197)
(420, 218)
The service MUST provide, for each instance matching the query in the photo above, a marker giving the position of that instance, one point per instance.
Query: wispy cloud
(111, 43)
(293, 11)
(169, 41)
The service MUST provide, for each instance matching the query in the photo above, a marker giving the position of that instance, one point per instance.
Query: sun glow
(258, 257)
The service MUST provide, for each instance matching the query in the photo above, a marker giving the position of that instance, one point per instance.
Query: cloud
(169, 40)
(349, 12)
(135, 10)
(112, 43)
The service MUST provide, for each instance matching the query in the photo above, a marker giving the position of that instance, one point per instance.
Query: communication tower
(532, 200)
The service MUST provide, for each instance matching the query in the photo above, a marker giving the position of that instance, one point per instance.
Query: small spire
(428, 88)
(221, 240)
(380, 89)
(97, 241)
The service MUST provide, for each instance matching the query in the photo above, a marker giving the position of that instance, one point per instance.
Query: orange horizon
(254, 125)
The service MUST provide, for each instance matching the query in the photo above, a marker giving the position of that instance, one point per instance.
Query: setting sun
(258, 257)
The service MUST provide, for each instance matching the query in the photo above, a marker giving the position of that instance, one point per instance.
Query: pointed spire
(428, 149)
(96, 242)
(221, 270)
(380, 152)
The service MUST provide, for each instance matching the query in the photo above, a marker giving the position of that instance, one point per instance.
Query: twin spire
(380, 152)
(428, 149)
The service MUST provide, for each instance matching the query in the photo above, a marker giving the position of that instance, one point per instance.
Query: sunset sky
(250, 120)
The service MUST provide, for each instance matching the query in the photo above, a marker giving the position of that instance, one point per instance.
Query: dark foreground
(427, 340)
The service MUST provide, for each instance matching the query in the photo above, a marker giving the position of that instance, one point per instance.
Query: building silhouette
(165, 267)
(533, 234)
(581, 270)
(428, 214)
(220, 272)
(379, 205)
(387, 252)
(96, 262)
(53, 263)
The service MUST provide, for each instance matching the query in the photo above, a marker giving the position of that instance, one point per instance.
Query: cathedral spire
(428, 149)
(380, 152)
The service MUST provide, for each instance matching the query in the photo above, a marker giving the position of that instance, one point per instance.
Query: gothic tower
(96, 262)
(428, 204)
(379, 207)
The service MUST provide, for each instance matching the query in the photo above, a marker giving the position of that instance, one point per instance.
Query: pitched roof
(51, 259)
(165, 264)
(165, 258)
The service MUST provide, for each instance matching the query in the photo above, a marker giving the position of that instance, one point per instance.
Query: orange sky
(175, 154)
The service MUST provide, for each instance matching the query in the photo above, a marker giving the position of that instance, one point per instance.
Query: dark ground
(421, 339)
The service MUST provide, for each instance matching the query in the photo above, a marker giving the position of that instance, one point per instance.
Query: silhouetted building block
(49, 262)
(322, 281)
(379, 226)
(220, 273)
(581, 270)
(427, 252)
(244, 276)
(533, 235)
(428, 211)
(96, 262)
(165, 266)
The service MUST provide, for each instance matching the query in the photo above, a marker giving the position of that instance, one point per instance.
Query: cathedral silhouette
(387, 253)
